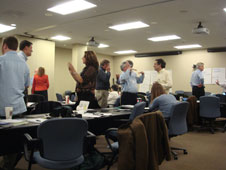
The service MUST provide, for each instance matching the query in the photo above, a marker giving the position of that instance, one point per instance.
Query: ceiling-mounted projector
(92, 43)
(200, 29)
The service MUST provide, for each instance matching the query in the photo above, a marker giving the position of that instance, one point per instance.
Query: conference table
(12, 137)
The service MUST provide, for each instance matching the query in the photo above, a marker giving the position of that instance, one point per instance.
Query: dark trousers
(198, 91)
(44, 93)
(9, 161)
(87, 96)
(128, 98)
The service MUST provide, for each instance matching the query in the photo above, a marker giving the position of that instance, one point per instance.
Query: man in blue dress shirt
(129, 80)
(14, 78)
(197, 81)
(25, 49)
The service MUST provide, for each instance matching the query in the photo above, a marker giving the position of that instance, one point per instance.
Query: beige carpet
(205, 152)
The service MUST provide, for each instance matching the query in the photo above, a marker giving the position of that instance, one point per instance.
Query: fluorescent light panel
(164, 38)
(103, 46)
(5, 28)
(60, 38)
(129, 26)
(125, 52)
(224, 9)
(71, 7)
(188, 46)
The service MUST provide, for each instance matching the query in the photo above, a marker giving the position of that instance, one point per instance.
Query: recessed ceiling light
(71, 7)
(224, 9)
(13, 25)
(164, 38)
(103, 46)
(125, 52)
(188, 46)
(129, 26)
(60, 38)
(5, 28)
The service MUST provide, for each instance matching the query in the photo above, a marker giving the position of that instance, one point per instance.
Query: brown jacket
(144, 143)
(192, 116)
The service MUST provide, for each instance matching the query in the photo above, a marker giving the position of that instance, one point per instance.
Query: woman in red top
(41, 83)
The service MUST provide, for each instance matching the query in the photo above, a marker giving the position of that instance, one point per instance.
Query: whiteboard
(218, 74)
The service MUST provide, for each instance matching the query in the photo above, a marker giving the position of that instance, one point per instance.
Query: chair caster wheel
(185, 152)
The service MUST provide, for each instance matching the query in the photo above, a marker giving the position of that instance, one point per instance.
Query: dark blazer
(144, 143)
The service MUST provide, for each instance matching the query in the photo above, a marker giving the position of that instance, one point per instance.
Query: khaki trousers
(102, 98)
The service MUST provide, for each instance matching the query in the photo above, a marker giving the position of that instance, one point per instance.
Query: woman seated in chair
(160, 100)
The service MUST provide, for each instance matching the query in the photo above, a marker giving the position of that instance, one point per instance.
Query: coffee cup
(8, 112)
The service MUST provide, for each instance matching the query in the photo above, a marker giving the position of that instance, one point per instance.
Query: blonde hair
(41, 71)
(156, 91)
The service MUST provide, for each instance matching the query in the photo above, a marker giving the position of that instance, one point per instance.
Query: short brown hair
(91, 59)
(156, 91)
(103, 62)
(41, 71)
(11, 42)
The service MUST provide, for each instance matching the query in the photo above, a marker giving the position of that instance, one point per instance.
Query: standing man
(25, 49)
(197, 81)
(14, 78)
(129, 80)
(24, 53)
(163, 76)
(102, 83)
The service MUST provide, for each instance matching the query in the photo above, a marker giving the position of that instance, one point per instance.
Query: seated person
(113, 95)
(160, 100)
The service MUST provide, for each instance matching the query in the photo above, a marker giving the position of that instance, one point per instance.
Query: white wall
(63, 79)
(181, 66)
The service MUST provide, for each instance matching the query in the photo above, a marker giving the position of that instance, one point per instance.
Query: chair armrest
(30, 145)
(111, 134)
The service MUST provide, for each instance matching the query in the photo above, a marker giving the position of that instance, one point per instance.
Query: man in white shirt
(163, 76)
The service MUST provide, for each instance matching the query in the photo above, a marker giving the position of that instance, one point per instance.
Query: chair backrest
(62, 139)
(36, 98)
(137, 110)
(187, 94)
(59, 97)
(46, 107)
(207, 93)
(179, 92)
(177, 123)
(221, 97)
(67, 92)
(209, 106)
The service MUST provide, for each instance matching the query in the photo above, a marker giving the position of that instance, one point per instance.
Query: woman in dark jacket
(86, 80)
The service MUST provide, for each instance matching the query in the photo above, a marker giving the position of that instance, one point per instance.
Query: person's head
(130, 63)
(156, 90)
(124, 66)
(41, 71)
(194, 67)
(200, 66)
(9, 44)
(104, 64)
(26, 47)
(36, 71)
(90, 59)
(114, 87)
(159, 64)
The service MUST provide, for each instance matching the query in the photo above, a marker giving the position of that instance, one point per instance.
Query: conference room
(182, 33)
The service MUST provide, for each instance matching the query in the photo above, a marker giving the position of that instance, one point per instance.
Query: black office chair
(209, 110)
(36, 98)
(111, 134)
(59, 143)
(177, 123)
(46, 107)
(59, 97)
(187, 94)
